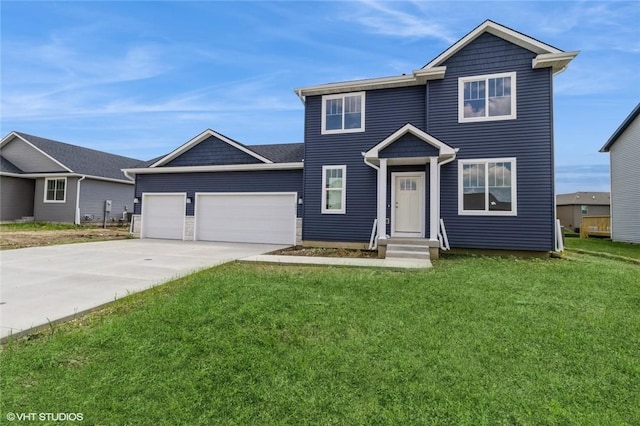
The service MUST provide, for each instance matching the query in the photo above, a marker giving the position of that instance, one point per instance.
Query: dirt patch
(326, 252)
(10, 239)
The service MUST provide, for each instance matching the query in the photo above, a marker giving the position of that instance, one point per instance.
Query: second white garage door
(246, 217)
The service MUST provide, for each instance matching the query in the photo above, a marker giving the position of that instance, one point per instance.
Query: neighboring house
(570, 208)
(624, 154)
(56, 182)
(468, 139)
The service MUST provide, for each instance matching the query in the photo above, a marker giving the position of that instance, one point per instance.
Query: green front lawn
(473, 341)
(603, 245)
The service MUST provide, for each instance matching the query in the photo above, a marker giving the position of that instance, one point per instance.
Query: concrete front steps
(401, 248)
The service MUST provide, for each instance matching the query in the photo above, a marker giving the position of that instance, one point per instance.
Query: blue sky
(141, 78)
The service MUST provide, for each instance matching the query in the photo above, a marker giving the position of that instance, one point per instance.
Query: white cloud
(389, 18)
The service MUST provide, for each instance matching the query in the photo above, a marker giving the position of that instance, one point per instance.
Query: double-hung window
(343, 113)
(487, 187)
(487, 97)
(55, 190)
(334, 189)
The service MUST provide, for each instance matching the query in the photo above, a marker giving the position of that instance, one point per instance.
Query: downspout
(440, 164)
(300, 96)
(77, 220)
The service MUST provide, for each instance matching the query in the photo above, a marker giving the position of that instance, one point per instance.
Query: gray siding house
(465, 141)
(624, 156)
(57, 182)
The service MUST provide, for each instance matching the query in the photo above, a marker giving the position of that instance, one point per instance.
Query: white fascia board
(201, 137)
(67, 175)
(221, 168)
(498, 30)
(417, 77)
(443, 148)
(14, 134)
(557, 61)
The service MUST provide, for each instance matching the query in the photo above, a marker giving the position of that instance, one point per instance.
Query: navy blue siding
(529, 138)
(212, 152)
(409, 145)
(244, 181)
(387, 110)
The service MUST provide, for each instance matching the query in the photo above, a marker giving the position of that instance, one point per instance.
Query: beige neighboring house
(571, 208)
(624, 155)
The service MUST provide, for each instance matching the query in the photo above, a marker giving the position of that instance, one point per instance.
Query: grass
(38, 226)
(603, 245)
(472, 341)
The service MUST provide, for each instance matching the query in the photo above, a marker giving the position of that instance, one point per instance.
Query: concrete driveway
(48, 284)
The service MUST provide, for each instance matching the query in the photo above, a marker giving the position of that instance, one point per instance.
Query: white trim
(558, 61)
(394, 176)
(382, 199)
(444, 149)
(286, 193)
(342, 96)
(486, 78)
(498, 30)
(201, 137)
(161, 194)
(514, 188)
(46, 185)
(323, 208)
(14, 134)
(221, 168)
(417, 77)
(57, 175)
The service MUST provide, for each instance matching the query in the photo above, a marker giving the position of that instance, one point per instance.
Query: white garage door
(163, 216)
(246, 217)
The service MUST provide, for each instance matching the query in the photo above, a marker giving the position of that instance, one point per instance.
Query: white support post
(382, 199)
(434, 198)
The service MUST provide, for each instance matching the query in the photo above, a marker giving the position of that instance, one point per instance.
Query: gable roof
(75, 159)
(627, 121)
(202, 137)
(547, 56)
(444, 150)
(584, 198)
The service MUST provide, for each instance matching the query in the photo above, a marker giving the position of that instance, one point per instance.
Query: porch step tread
(407, 251)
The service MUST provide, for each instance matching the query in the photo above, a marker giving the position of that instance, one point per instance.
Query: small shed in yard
(624, 156)
(571, 208)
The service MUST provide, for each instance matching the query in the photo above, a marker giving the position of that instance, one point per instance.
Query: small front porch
(403, 196)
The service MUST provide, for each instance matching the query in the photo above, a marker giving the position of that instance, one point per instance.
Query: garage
(163, 216)
(268, 217)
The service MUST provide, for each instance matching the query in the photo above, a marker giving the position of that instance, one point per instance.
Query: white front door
(407, 204)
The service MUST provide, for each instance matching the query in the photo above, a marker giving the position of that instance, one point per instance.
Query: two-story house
(465, 141)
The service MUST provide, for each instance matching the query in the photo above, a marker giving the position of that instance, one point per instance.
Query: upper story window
(343, 113)
(55, 190)
(487, 187)
(487, 97)
(334, 185)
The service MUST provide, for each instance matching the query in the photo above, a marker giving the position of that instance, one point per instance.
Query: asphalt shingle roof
(280, 153)
(82, 160)
(590, 198)
(8, 167)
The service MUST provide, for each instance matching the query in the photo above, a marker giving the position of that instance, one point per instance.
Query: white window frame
(325, 98)
(324, 209)
(46, 186)
(487, 212)
(486, 78)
